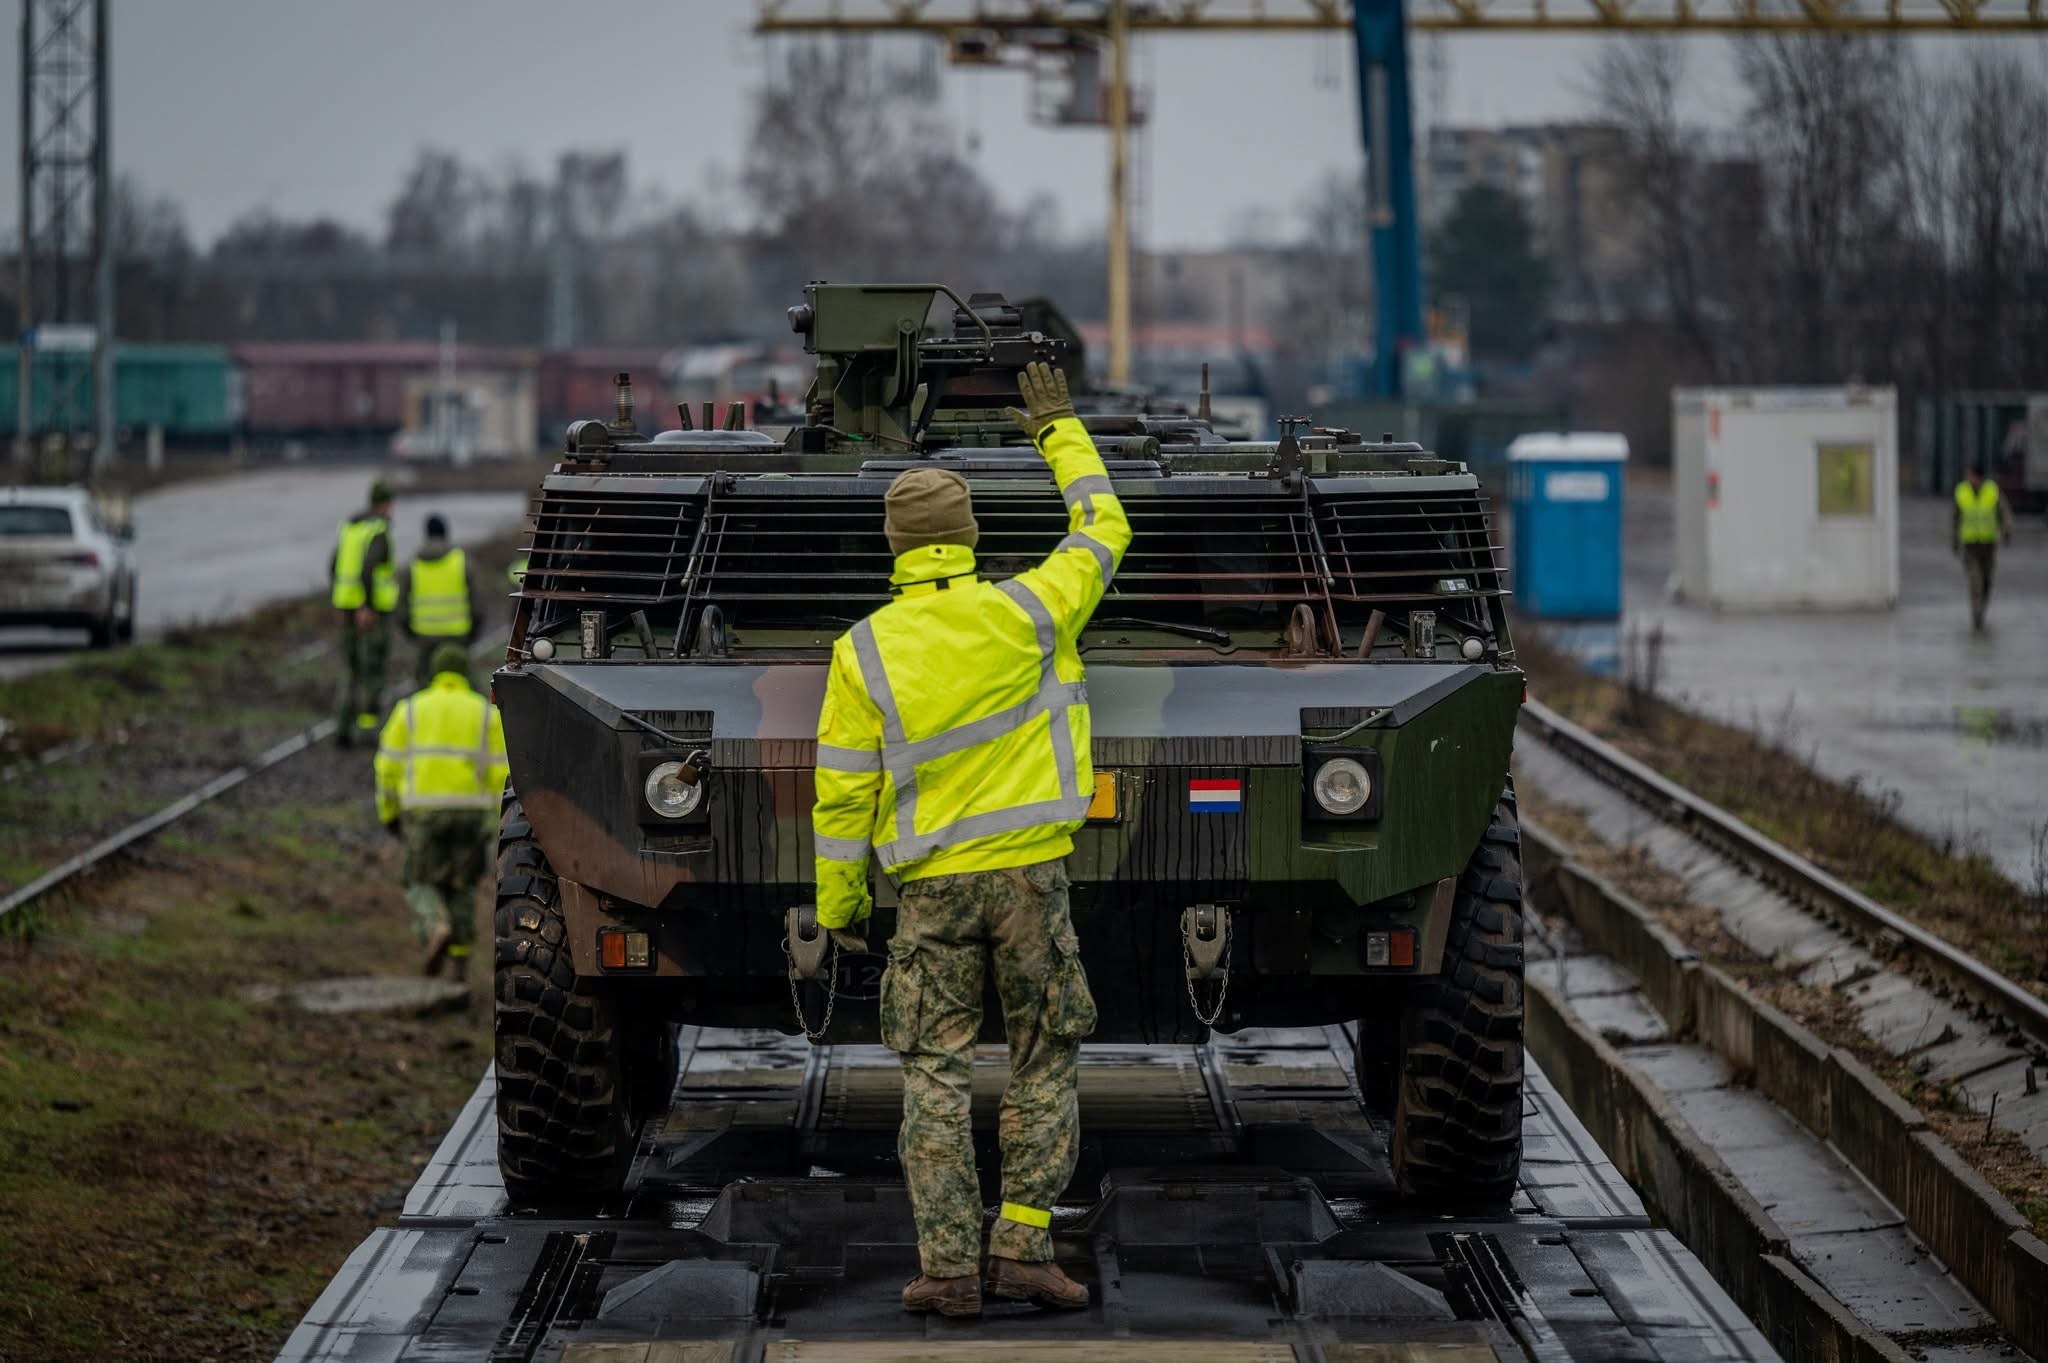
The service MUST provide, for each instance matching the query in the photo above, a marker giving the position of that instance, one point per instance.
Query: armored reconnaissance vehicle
(1303, 692)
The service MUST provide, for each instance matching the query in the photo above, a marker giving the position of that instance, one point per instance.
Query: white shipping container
(1786, 498)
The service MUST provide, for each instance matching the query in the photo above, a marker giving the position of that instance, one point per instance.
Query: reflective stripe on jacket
(442, 748)
(351, 549)
(1979, 511)
(954, 733)
(437, 597)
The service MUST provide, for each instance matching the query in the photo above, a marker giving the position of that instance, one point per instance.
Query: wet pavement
(220, 548)
(1909, 700)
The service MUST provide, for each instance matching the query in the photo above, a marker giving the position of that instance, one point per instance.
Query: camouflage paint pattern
(446, 851)
(364, 656)
(950, 930)
(1443, 741)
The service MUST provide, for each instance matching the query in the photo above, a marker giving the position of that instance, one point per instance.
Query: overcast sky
(302, 107)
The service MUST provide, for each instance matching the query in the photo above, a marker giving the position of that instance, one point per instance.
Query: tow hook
(1205, 929)
(1205, 950)
(806, 944)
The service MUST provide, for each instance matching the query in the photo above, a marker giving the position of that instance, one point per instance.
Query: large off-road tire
(1457, 1100)
(569, 1059)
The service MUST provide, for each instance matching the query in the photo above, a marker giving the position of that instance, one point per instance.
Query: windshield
(23, 521)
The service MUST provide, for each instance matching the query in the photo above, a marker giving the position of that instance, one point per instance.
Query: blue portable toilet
(1565, 492)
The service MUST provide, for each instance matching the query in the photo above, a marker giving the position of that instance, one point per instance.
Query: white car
(65, 563)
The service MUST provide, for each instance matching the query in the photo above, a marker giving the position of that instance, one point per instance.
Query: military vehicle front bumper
(1307, 892)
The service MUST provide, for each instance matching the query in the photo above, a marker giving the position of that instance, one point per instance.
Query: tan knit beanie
(928, 506)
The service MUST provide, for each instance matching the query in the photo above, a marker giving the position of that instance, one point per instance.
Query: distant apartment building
(1570, 179)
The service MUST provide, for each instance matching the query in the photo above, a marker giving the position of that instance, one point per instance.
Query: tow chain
(1221, 971)
(796, 1000)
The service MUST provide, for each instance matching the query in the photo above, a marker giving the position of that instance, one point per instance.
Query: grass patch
(182, 1169)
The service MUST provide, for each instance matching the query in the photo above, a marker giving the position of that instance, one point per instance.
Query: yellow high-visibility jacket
(437, 604)
(1977, 512)
(442, 748)
(954, 734)
(357, 546)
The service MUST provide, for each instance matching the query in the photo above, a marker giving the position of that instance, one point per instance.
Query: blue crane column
(1381, 27)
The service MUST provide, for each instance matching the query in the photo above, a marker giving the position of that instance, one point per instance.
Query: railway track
(146, 827)
(1902, 943)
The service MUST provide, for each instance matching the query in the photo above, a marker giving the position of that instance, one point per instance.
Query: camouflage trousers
(1980, 565)
(445, 853)
(359, 709)
(949, 931)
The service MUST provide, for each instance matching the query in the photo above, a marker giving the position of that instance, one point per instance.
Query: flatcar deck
(1232, 1204)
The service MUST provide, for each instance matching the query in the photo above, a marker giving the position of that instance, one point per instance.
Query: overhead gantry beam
(1016, 21)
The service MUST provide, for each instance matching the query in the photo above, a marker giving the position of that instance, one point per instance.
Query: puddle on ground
(1977, 725)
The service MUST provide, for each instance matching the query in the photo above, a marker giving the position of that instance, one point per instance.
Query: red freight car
(341, 392)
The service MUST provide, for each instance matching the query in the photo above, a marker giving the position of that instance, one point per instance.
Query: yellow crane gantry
(978, 31)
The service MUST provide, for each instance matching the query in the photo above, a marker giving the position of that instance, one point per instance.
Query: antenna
(622, 401)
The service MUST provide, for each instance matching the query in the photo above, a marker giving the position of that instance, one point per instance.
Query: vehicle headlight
(1342, 785)
(669, 794)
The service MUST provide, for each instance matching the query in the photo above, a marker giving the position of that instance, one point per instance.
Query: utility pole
(1119, 196)
(66, 173)
(103, 247)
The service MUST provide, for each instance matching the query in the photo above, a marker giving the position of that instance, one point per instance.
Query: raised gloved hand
(1045, 398)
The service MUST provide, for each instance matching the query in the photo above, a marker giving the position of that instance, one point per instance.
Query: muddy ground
(183, 1165)
(182, 1169)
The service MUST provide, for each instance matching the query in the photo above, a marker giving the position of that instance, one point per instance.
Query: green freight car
(193, 392)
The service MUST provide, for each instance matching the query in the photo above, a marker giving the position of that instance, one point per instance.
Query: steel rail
(150, 824)
(1946, 966)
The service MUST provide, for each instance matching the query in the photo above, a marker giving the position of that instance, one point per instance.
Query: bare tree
(1328, 291)
(1639, 83)
(1824, 117)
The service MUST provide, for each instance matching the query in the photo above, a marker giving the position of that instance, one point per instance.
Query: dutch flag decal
(1207, 796)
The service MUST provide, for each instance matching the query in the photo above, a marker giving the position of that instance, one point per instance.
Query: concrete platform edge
(1982, 1238)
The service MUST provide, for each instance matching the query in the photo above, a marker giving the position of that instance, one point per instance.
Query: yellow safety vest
(352, 546)
(442, 748)
(516, 574)
(1980, 512)
(954, 734)
(437, 599)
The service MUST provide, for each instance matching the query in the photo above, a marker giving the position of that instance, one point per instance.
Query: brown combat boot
(1046, 1283)
(947, 1296)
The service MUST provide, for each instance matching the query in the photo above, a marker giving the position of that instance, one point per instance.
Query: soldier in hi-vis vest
(440, 772)
(437, 598)
(364, 593)
(953, 750)
(1982, 520)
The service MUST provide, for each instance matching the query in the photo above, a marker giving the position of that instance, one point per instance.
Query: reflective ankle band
(1026, 1216)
